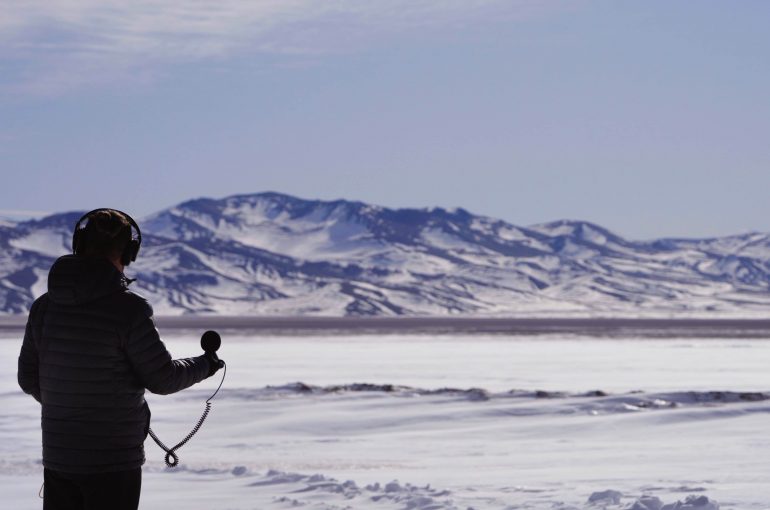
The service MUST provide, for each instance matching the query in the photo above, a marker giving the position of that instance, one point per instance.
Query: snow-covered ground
(448, 422)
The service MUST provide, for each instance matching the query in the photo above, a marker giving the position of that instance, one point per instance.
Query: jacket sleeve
(28, 372)
(152, 362)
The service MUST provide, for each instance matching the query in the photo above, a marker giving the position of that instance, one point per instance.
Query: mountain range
(275, 254)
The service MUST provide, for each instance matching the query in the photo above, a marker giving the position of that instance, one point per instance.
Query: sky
(649, 118)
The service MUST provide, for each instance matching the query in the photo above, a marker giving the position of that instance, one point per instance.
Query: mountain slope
(275, 254)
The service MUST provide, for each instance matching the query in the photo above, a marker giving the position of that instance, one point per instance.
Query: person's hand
(214, 362)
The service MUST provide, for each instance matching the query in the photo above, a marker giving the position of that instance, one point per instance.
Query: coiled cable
(172, 459)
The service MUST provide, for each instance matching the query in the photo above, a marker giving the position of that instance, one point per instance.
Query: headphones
(129, 252)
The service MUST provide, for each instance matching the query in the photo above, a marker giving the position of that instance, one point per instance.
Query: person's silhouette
(90, 350)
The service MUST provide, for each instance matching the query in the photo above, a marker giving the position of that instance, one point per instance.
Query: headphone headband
(132, 248)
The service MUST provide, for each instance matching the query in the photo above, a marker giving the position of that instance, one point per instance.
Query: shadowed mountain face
(273, 254)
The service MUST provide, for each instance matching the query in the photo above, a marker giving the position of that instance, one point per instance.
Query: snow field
(447, 422)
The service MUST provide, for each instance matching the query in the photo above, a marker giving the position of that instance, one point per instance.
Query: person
(90, 350)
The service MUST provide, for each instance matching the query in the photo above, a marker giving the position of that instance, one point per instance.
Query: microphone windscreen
(210, 341)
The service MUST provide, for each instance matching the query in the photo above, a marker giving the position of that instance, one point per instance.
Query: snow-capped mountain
(274, 254)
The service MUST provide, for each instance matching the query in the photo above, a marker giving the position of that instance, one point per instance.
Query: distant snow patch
(46, 242)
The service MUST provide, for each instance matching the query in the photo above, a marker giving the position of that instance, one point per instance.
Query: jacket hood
(74, 280)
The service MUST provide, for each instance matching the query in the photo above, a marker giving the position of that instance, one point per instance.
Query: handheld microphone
(210, 343)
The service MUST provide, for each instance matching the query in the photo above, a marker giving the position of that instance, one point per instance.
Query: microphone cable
(172, 459)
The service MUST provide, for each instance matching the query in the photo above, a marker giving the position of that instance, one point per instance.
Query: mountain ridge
(271, 253)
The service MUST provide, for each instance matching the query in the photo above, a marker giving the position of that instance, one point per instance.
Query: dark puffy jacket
(90, 349)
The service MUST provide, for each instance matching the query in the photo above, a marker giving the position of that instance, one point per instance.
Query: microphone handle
(213, 357)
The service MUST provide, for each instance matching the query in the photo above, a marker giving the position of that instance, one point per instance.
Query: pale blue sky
(651, 118)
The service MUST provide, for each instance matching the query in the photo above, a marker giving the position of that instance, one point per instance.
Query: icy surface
(447, 422)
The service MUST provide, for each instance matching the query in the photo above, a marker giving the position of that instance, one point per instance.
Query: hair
(106, 234)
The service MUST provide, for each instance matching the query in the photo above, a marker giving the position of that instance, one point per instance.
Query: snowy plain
(451, 421)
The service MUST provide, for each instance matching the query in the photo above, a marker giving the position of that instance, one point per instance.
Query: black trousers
(93, 491)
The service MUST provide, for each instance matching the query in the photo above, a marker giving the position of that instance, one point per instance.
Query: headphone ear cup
(135, 244)
(130, 252)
